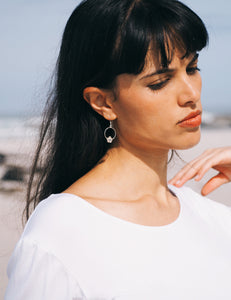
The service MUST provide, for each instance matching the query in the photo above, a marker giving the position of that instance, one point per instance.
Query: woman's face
(150, 106)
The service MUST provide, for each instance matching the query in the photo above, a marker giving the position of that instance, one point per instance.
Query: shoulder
(210, 210)
(54, 209)
(190, 195)
(55, 220)
(50, 244)
(34, 273)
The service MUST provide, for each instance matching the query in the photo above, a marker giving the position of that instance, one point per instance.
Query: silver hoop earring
(110, 133)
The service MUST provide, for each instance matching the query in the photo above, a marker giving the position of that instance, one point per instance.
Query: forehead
(152, 65)
(153, 62)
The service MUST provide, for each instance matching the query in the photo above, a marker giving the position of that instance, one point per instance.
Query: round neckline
(118, 220)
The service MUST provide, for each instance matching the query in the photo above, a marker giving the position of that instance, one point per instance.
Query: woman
(109, 227)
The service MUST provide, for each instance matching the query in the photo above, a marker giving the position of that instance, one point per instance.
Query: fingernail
(178, 182)
(197, 177)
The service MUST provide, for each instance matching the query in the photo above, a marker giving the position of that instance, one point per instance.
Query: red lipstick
(192, 120)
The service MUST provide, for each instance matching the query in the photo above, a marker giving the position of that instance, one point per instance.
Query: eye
(159, 85)
(192, 70)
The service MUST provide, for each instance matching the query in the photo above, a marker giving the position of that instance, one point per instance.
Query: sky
(30, 35)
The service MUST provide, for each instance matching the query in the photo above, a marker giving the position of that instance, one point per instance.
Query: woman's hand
(217, 158)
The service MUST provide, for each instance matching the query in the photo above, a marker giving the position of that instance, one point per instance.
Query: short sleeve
(36, 274)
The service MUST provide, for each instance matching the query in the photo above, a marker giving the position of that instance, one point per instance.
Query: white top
(72, 250)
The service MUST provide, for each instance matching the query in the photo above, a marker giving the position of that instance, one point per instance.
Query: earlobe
(98, 100)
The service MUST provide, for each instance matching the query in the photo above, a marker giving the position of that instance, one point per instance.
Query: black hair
(102, 39)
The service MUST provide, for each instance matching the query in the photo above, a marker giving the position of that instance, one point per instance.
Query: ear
(101, 101)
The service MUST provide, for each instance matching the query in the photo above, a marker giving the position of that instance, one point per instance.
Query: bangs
(161, 26)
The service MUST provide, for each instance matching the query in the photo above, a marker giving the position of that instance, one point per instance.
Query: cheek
(132, 118)
(144, 113)
(198, 82)
(135, 107)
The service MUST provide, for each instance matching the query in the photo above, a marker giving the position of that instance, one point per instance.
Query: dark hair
(102, 39)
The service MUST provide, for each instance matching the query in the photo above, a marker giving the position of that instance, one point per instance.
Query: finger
(194, 164)
(183, 176)
(214, 183)
(188, 167)
(213, 159)
(204, 168)
(198, 167)
(225, 169)
(189, 171)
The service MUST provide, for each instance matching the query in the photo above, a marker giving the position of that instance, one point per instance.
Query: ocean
(21, 127)
(13, 127)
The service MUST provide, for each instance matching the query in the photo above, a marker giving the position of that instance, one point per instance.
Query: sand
(12, 199)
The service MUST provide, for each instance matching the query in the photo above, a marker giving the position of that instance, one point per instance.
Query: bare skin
(136, 194)
(217, 158)
(131, 182)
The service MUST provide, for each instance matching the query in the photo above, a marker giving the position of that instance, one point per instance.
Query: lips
(192, 120)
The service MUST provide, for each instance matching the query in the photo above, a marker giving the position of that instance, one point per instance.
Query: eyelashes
(162, 84)
(192, 70)
(159, 85)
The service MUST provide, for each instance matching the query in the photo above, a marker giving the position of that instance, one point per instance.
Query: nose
(189, 90)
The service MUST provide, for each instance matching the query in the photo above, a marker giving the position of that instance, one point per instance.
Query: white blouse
(72, 250)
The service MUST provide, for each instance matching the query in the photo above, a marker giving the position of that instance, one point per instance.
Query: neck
(138, 171)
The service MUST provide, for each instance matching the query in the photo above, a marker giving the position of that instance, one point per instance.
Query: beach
(17, 147)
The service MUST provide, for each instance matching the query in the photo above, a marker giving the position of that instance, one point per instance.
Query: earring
(111, 132)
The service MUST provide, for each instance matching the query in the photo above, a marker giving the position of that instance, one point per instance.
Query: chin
(190, 139)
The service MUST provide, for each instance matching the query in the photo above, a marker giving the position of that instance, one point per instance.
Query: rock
(12, 186)
(2, 158)
(14, 173)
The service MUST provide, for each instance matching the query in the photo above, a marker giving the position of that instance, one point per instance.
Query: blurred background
(30, 34)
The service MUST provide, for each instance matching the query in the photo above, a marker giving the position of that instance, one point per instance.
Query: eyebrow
(167, 70)
(160, 71)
